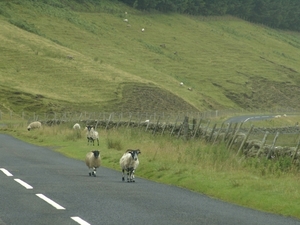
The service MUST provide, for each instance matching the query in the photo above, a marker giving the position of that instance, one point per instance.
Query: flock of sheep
(128, 162)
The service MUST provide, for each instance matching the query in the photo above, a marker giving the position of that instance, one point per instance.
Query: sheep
(91, 134)
(34, 125)
(93, 161)
(125, 20)
(143, 29)
(129, 162)
(181, 83)
(76, 126)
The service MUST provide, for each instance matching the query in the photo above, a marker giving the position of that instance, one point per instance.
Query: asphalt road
(245, 118)
(40, 186)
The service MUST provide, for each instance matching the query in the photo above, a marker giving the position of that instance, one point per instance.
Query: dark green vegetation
(74, 56)
(282, 14)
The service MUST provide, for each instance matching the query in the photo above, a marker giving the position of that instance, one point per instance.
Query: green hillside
(72, 56)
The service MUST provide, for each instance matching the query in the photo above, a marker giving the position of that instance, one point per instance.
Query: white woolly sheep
(34, 125)
(143, 29)
(129, 162)
(91, 134)
(181, 83)
(93, 161)
(125, 20)
(76, 126)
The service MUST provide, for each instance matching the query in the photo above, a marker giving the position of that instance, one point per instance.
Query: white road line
(54, 204)
(6, 172)
(79, 220)
(24, 184)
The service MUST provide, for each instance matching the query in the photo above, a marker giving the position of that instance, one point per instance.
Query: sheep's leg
(132, 176)
(90, 173)
(123, 175)
(128, 176)
(98, 141)
(94, 171)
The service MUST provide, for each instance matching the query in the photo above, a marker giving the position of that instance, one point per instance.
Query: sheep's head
(96, 153)
(89, 127)
(29, 127)
(134, 153)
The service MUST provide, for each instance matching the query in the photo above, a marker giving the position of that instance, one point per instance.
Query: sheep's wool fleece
(127, 162)
(91, 161)
(35, 124)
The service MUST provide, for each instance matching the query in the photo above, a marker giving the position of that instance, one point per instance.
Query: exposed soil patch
(265, 94)
(139, 98)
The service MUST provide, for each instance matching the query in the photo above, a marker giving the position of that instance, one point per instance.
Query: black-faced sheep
(93, 161)
(34, 125)
(76, 126)
(129, 162)
(91, 134)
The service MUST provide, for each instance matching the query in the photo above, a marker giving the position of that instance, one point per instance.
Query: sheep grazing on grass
(92, 135)
(129, 162)
(93, 161)
(34, 125)
(76, 126)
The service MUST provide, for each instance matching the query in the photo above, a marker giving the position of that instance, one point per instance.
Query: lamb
(129, 162)
(34, 125)
(76, 126)
(92, 135)
(93, 161)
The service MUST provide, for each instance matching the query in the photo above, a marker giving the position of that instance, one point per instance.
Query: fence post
(204, 133)
(226, 132)
(108, 122)
(218, 133)
(271, 149)
(262, 143)
(195, 132)
(155, 128)
(186, 127)
(212, 132)
(174, 126)
(296, 150)
(230, 143)
(129, 120)
(245, 139)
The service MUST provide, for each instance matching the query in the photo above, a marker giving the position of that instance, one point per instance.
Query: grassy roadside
(194, 165)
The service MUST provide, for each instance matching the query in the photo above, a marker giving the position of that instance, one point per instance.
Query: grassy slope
(217, 57)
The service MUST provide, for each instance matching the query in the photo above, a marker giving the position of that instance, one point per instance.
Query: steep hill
(67, 55)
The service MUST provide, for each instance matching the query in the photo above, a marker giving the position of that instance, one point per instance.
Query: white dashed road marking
(6, 172)
(24, 184)
(48, 200)
(54, 204)
(79, 220)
